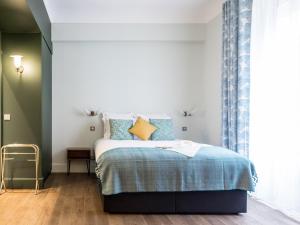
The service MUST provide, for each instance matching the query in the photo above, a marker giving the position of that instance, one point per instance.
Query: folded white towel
(188, 148)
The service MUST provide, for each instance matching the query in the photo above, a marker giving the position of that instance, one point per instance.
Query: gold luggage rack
(3, 159)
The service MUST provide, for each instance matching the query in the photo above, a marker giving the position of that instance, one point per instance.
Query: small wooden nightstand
(79, 153)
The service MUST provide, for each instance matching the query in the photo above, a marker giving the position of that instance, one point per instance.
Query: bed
(165, 177)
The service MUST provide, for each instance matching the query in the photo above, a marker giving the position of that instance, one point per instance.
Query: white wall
(212, 81)
(164, 71)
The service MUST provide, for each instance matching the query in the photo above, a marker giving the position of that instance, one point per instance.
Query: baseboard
(76, 167)
(59, 167)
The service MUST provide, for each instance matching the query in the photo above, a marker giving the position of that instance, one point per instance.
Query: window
(275, 102)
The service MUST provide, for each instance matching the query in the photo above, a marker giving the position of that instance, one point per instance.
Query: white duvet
(188, 148)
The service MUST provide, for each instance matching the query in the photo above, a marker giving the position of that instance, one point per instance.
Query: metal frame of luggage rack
(3, 159)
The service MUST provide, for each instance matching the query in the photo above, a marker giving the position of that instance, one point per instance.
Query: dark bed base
(207, 202)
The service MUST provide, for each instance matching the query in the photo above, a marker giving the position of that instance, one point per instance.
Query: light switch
(184, 128)
(6, 117)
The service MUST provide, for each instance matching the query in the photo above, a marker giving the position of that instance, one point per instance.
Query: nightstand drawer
(79, 153)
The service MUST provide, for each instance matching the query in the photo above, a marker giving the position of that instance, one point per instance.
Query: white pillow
(151, 116)
(106, 116)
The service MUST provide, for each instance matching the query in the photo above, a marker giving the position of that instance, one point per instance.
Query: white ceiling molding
(132, 11)
(128, 32)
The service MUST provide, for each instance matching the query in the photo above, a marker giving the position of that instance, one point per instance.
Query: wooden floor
(74, 199)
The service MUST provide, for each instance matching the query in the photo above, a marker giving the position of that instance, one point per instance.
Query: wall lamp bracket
(20, 70)
(90, 112)
(186, 114)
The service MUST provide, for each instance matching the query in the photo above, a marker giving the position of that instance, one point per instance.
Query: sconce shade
(17, 60)
(18, 63)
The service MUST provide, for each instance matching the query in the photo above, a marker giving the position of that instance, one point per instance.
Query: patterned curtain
(236, 75)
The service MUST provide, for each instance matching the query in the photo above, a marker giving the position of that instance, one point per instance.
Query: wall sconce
(18, 63)
(188, 113)
(90, 112)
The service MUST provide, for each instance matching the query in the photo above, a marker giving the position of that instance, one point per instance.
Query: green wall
(46, 109)
(27, 98)
(1, 87)
(22, 99)
(41, 17)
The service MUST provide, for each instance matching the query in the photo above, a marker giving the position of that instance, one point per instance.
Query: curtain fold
(236, 75)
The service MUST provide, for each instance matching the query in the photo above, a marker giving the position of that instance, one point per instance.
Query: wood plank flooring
(75, 200)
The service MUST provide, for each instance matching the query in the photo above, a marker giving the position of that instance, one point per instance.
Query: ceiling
(16, 17)
(132, 11)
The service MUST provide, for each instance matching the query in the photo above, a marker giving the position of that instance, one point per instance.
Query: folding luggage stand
(3, 159)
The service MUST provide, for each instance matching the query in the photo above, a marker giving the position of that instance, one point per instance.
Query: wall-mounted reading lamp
(18, 63)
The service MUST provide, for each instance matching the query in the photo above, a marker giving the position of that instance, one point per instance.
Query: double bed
(172, 177)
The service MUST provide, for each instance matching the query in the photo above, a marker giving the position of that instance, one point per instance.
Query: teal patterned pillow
(165, 129)
(119, 129)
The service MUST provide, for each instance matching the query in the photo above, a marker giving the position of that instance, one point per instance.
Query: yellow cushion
(142, 129)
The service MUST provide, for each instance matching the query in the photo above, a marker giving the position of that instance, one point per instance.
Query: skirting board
(76, 167)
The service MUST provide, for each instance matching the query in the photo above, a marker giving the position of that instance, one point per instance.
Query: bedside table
(79, 153)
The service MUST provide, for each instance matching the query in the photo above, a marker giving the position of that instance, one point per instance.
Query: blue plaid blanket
(157, 170)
